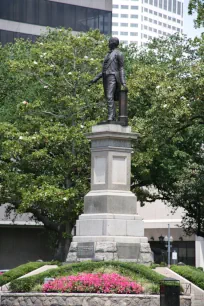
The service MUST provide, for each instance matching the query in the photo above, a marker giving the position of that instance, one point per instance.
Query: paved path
(197, 293)
(44, 268)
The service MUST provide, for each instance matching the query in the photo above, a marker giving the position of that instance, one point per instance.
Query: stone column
(110, 228)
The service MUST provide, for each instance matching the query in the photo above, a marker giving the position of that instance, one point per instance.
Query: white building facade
(136, 21)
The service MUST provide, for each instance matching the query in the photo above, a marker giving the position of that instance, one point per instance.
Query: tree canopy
(197, 7)
(46, 107)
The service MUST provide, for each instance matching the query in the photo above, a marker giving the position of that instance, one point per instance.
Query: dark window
(124, 15)
(124, 33)
(133, 34)
(115, 15)
(124, 7)
(55, 14)
(134, 7)
(155, 2)
(134, 16)
(151, 2)
(115, 24)
(155, 13)
(165, 5)
(134, 25)
(124, 24)
(114, 32)
(9, 36)
(115, 6)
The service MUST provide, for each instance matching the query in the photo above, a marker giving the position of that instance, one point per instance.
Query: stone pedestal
(110, 228)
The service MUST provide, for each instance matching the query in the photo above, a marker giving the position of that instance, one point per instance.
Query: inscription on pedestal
(85, 250)
(128, 250)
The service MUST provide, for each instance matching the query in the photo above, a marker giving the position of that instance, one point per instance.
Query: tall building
(28, 18)
(136, 21)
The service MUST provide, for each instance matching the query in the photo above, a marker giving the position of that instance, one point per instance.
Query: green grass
(21, 270)
(149, 279)
(194, 275)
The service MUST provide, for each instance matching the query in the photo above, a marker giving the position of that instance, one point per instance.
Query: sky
(189, 29)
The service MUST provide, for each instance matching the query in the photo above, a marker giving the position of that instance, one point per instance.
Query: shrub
(27, 284)
(94, 283)
(196, 276)
(21, 270)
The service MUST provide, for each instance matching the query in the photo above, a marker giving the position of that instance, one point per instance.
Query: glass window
(160, 15)
(165, 5)
(155, 30)
(124, 24)
(92, 18)
(155, 21)
(174, 28)
(169, 26)
(179, 8)
(178, 21)
(174, 19)
(155, 2)
(146, 18)
(134, 16)
(155, 13)
(174, 6)
(145, 35)
(124, 33)
(165, 16)
(134, 7)
(115, 6)
(124, 7)
(107, 22)
(160, 3)
(134, 25)
(145, 9)
(178, 30)
(150, 29)
(81, 18)
(150, 11)
(160, 23)
(124, 15)
(151, 2)
(169, 5)
(160, 32)
(146, 1)
(114, 32)
(164, 25)
(114, 24)
(169, 18)
(145, 27)
(115, 15)
(150, 19)
(133, 34)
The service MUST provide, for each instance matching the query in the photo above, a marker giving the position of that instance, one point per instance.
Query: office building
(136, 21)
(29, 18)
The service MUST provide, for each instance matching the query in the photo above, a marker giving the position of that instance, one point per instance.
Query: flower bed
(93, 283)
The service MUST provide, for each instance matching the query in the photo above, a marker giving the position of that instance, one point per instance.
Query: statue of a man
(113, 76)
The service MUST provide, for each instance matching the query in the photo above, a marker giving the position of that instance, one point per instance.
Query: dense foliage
(196, 276)
(197, 7)
(21, 270)
(46, 108)
(131, 270)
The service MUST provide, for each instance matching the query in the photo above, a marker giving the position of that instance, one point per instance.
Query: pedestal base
(100, 248)
(110, 237)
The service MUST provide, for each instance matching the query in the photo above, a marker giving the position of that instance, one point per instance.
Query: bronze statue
(113, 76)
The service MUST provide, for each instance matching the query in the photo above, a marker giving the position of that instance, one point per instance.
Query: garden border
(83, 299)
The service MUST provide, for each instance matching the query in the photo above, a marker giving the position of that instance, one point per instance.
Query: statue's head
(113, 42)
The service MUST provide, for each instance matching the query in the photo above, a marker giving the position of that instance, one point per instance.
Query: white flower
(33, 137)
(25, 102)
(12, 159)
(44, 53)
(183, 98)
(65, 199)
(41, 43)
(86, 57)
(92, 59)
(158, 87)
(165, 105)
(45, 86)
(35, 62)
(52, 66)
(82, 126)
(41, 56)
(88, 90)
(69, 73)
(169, 87)
(21, 137)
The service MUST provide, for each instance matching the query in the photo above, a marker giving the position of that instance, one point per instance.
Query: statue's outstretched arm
(99, 76)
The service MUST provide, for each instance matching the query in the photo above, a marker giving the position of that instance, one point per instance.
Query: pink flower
(94, 283)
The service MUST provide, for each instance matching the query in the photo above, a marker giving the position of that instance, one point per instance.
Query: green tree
(197, 6)
(46, 107)
(166, 105)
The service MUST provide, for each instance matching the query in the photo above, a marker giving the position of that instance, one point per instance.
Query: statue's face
(112, 43)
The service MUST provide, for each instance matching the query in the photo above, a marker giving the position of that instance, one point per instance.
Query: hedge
(196, 276)
(26, 285)
(21, 270)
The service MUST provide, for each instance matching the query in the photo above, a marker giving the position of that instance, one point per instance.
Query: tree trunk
(63, 243)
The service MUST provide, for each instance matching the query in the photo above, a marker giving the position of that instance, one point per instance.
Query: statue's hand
(91, 83)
